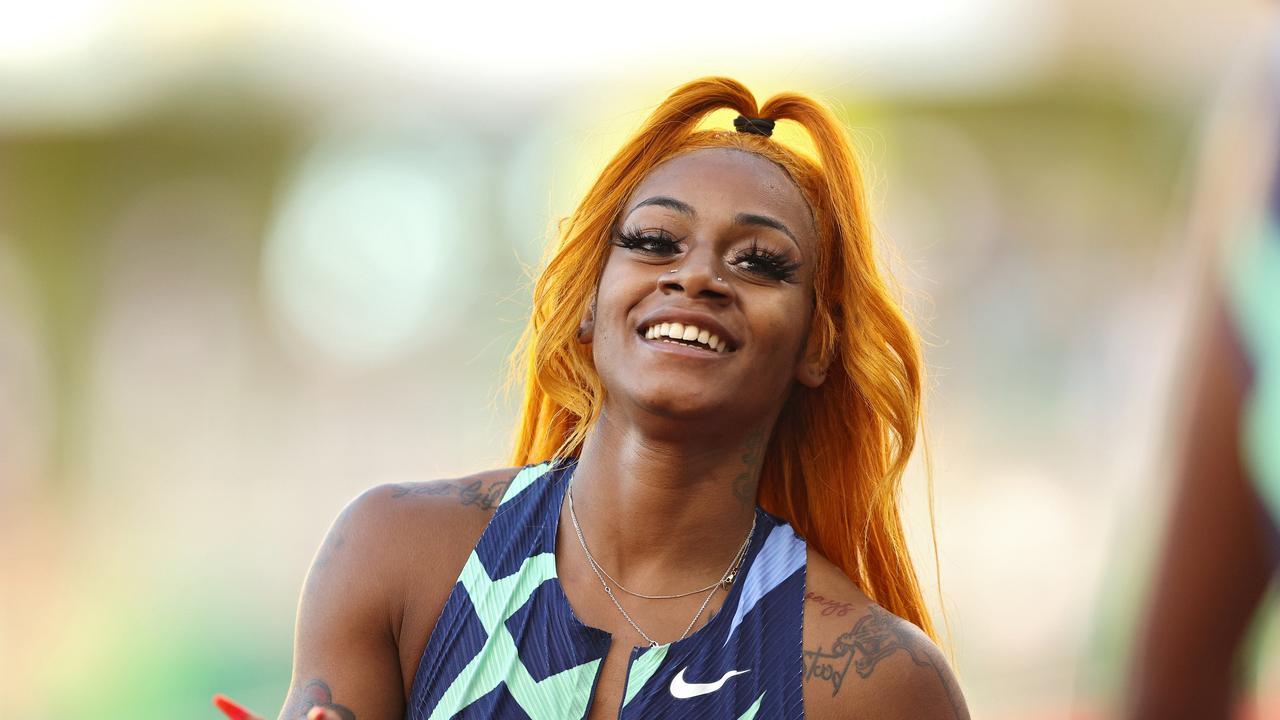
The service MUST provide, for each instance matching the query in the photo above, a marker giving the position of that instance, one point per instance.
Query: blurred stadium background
(255, 258)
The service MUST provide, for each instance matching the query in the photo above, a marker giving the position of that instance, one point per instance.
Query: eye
(650, 242)
(767, 263)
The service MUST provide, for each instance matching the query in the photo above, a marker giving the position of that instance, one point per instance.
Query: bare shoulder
(398, 523)
(379, 581)
(393, 534)
(861, 661)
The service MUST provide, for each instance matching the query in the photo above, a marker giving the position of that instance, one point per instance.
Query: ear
(587, 326)
(812, 369)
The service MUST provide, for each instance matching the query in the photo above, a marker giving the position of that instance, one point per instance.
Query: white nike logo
(682, 690)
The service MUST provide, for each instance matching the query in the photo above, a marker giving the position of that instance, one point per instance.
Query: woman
(712, 331)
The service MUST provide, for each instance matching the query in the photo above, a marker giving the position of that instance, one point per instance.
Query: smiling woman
(721, 396)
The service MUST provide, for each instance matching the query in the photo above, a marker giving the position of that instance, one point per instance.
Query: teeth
(686, 333)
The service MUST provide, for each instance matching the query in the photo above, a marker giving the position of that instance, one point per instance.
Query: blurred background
(255, 258)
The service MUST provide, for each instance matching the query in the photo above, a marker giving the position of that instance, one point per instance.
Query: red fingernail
(230, 708)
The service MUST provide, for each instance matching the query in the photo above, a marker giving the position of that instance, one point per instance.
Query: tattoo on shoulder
(316, 693)
(829, 607)
(332, 544)
(473, 493)
(874, 637)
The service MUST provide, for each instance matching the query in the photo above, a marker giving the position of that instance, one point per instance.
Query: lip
(686, 317)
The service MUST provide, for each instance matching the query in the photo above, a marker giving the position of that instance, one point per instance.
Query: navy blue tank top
(507, 644)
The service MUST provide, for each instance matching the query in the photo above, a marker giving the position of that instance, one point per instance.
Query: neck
(663, 514)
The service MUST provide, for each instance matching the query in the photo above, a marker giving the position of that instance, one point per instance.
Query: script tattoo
(316, 693)
(744, 485)
(876, 636)
(829, 607)
(472, 493)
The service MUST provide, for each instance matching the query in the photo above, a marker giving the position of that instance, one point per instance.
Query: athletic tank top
(507, 644)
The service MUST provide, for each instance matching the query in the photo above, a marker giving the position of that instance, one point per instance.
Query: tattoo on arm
(874, 637)
(744, 485)
(472, 493)
(332, 544)
(316, 693)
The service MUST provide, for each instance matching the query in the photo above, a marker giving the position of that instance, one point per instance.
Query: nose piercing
(674, 269)
(719, 279)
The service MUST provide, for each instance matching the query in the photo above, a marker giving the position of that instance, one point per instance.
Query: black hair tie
(755, 126)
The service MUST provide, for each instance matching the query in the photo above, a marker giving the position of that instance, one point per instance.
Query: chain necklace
(729, 575)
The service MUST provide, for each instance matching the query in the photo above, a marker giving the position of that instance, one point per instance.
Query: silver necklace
(728, 576)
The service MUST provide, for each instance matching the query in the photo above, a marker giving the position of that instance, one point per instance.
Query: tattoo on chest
(829, 607)
(472, 493)
(316, 693)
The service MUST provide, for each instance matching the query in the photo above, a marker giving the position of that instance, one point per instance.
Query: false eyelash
(772, 264)
(654, 243)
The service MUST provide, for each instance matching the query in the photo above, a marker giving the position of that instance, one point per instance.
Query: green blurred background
(256, 258)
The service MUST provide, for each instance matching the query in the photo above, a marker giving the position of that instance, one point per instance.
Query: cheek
(619, 289)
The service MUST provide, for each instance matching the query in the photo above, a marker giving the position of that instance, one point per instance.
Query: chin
(674, 405)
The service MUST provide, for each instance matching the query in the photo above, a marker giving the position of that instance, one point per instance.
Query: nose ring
(673, 270)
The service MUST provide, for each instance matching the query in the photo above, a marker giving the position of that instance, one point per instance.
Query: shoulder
(861, 661)
(404, 511)
(410, 540)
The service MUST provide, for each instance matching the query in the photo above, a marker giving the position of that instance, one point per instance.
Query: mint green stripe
(523, 480)
(642, 669)
(751, 711)
(499, 660)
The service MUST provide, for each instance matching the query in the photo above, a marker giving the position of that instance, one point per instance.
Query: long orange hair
(835, 459)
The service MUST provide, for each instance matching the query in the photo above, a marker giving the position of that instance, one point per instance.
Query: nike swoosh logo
(682, 690)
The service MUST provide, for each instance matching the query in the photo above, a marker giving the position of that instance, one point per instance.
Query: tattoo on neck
(744, 485)
(874, 637)
(473, 493)
(314, 694)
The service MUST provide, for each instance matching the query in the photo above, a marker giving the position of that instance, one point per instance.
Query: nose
(699, 276)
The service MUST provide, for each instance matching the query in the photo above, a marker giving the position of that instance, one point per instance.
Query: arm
(1215, 563)
(345, 651)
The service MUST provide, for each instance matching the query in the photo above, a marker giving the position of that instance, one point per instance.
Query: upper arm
(345, 654)
(861, 661)
(1215, 563)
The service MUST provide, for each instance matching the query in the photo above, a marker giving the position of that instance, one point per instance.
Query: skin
(679, 444)
(1216, 562)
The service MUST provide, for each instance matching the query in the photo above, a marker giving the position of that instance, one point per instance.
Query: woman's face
(720, 240)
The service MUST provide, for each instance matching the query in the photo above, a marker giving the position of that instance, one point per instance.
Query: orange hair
(834, 463)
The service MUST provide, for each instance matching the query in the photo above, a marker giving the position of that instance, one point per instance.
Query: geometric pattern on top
(507, 644)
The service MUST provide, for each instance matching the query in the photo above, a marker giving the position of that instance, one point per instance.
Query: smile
(691, 335)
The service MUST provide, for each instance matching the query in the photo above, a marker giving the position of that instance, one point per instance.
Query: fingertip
(230, 708)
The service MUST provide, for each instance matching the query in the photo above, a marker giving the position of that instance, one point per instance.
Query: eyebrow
(666, 202)
(765, 221)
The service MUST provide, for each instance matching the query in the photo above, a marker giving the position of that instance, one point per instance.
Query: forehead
(721, 182)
